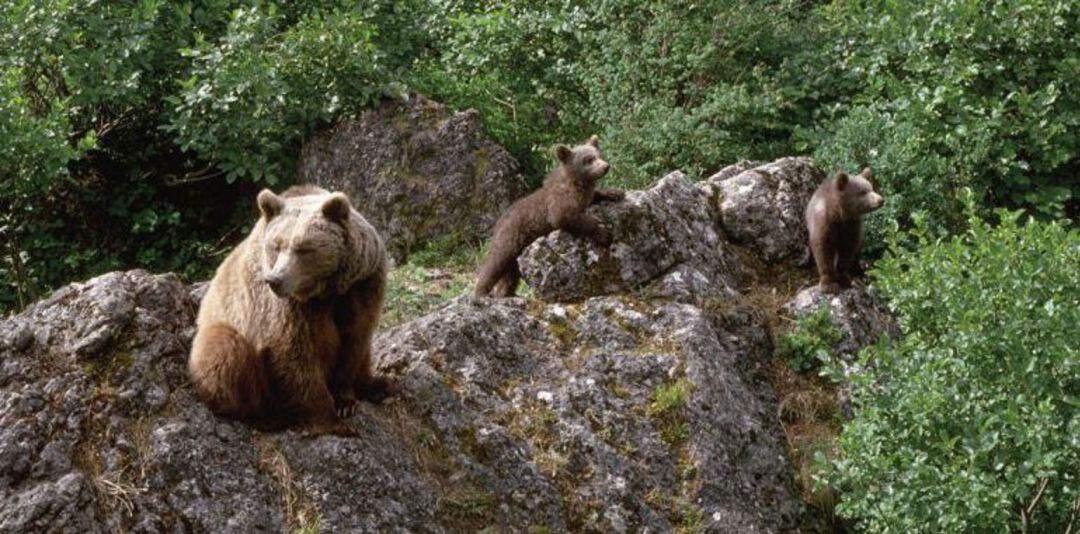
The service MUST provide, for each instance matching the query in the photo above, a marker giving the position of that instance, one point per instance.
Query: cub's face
(583, 162)
(857, 193)
(303, 243)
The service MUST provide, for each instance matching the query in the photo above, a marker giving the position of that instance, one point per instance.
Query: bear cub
(559, 204)
(286, 325)
(834, 220)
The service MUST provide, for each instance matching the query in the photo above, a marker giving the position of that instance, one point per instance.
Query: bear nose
(275, 282)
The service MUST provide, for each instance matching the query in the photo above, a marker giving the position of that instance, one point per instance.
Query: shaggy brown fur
(559, 204)
(834, 220)
(286, 325)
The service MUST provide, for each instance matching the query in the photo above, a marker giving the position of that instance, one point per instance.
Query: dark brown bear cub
(834, 219)
(559, 204)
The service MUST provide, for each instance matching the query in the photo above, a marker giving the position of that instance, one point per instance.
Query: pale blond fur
(288, 319)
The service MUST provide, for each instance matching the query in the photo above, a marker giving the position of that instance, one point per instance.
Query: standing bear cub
(286, 325)
(834, 220)
(559, 204)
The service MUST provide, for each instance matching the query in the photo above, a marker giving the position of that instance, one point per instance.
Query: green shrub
(811, 341)
(938, 96)
(971, 422)
(253, 94)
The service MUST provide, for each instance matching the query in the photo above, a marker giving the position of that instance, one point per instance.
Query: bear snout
(276, 284)
(879, 201)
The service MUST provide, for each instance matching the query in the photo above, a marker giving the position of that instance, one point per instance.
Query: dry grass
(301, 515)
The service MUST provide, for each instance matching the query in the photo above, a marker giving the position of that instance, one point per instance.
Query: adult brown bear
(286, 325)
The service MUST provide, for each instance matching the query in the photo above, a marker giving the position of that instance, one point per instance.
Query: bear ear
(563, 152)
(841, 180)
(269, 204)
(337, 207)
(593, 141)
(867, 173)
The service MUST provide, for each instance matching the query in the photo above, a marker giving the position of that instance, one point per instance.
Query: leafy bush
(135, 132)
(273, 76)
(971, 422)
(941, 96)
(811, 341)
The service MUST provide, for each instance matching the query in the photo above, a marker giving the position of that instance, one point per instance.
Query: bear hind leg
(495, 269)
(508, 284)
(229, 375)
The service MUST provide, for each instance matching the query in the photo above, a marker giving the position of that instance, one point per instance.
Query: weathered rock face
(666, 245)
(674, 240)
(762, 206)
(611, 415)
(862, 320)
(416, 171)
(603, 416)
(859, 314)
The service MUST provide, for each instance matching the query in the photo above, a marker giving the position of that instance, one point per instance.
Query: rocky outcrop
(611, 415)
(416, 171)
(859, 314)
(761, 206)
(675, 240)
(638, 403)
(665, 245)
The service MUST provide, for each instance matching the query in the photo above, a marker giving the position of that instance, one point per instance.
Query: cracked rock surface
(613, 415)
(417, 171)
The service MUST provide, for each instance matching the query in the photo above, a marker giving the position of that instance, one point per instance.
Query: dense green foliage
(810, 342)
(135, 133)
(971, 422)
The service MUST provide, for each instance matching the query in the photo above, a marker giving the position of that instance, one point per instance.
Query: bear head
(856, 193)
(583, 163)
(304, 243)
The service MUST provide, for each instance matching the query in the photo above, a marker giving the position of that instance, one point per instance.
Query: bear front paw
(376, 390)
(336, 427)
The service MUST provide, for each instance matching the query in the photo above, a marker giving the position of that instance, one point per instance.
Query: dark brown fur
(559, 204)
(834, 222)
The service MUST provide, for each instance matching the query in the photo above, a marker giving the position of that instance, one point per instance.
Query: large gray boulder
(609, 415)
(860, 315)
(417, 171)
(762, 206)
(666, 244)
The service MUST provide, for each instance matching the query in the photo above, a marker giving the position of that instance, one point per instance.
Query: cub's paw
(609, 195)
(829, 287)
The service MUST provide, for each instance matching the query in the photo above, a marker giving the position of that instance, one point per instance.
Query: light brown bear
(834, 220)
(559, 204)
(286, 325)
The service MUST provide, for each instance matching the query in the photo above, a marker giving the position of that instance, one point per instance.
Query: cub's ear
(867, 173)
(593, 141)
(269, 204)
(337, 207)
(563, 153)
(841, 180)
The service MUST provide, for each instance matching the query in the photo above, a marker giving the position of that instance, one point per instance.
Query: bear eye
(304, 250)
(589, 160)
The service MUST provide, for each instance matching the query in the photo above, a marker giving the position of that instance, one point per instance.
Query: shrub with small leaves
(811, 341)
(971, 421)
